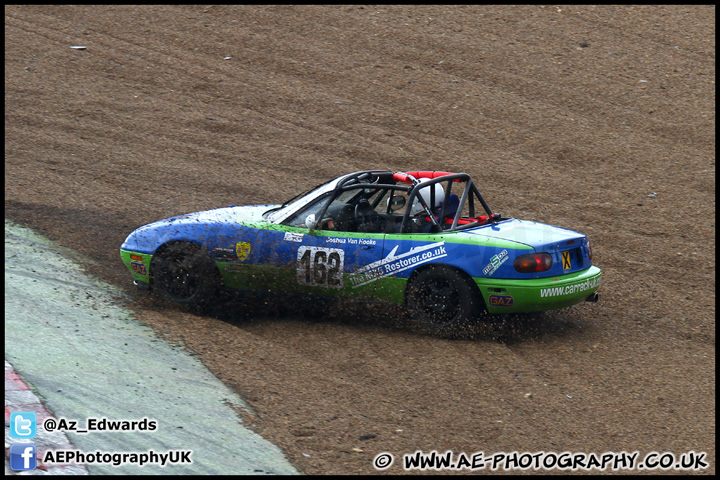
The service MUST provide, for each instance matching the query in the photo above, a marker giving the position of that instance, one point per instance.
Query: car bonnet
(192, 225)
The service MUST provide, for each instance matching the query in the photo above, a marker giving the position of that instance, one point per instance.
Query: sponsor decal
(242, 250)
(224, 253)
(138, 268)
(501, 300)
(495, 262)
(393, 264)
(235, 268)
(293, 237)
(589, 284)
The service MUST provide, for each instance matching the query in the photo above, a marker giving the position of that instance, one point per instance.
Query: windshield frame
(281, 213)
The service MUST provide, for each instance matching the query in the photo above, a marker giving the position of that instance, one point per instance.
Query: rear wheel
(442, 301)
(185, 273)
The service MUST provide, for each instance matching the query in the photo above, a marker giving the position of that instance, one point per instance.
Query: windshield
(277, 214)
(281, 213)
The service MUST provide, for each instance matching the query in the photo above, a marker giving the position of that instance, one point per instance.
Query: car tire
(441, 301)
(184, 273)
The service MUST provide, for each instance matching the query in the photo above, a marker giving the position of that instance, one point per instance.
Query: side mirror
(310, 222)
(396, 202)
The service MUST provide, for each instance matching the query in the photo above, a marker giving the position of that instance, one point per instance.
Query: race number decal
(320, 267)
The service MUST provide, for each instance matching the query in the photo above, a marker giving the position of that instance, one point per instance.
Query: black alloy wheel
(185, 273)
(441, 301)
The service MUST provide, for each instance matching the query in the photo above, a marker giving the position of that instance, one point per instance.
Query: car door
(323, 259)
(327, 262)
(293, 259)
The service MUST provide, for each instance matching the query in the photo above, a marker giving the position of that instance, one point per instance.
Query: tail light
(533, 263)
(589, 250)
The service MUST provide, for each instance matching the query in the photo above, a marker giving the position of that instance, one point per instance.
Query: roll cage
(373, 186)
(445, 216)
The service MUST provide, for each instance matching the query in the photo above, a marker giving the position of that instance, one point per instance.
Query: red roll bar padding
(465, 220)
(403, 177)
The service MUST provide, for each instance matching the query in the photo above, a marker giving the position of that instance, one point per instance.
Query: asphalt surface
(77, 355)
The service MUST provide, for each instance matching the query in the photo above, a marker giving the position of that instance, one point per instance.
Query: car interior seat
(451, 208)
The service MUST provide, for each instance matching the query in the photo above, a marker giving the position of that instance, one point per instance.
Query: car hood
(232, 214)
(195, 226)
(540, 236)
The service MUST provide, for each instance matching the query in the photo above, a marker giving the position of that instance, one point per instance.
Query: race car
(424, 240)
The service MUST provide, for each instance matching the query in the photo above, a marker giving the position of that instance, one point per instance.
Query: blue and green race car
(425, 240)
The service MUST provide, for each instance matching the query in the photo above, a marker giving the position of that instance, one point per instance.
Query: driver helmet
(425, 192)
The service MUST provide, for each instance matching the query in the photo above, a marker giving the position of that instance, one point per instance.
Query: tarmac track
(595, 118)
(83, 356)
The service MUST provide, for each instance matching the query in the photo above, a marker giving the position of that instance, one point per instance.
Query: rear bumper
(516, 296)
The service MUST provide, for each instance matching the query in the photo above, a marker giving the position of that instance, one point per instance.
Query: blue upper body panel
(486, 251)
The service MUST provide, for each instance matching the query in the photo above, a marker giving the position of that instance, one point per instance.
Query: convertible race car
(426, 240)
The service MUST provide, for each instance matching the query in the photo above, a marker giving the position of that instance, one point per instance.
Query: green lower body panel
(516, 296)
(285, 279)
(500, 295)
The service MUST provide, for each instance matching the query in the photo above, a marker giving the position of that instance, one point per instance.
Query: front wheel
(441, 301)
(185, 273)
